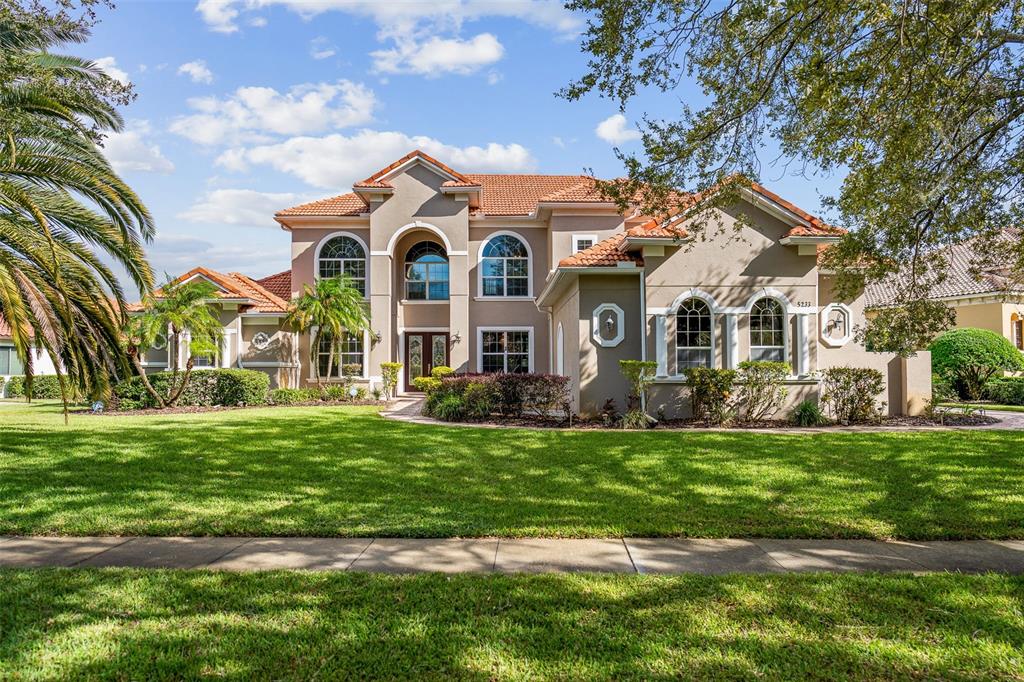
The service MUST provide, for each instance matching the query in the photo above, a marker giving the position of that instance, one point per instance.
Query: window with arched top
(426, 272)
(767, 331)
(505, 267)
(343, 255)
(694, 335)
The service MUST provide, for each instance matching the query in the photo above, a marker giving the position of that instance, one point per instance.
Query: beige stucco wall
(994, 316)
(563, 225)
(599, 374)
(566, 312)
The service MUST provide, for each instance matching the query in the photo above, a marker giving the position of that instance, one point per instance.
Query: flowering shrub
(849, 393)
(711, 392)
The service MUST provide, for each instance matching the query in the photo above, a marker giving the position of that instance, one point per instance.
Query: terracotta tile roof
(369, 182)
(655, 232)
(963, 278)
(459, 183)
(605, 253)
(584, 191)
(280, 284)
(504, 195)
(233, 285)
(817, 227)
(5, 329)
(378, 183)
(344, 204)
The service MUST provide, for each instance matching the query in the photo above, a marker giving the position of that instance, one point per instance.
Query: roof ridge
(271, 296)
(373, 179)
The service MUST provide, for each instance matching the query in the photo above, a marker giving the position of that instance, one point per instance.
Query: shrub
(640, 375)
(44, 387)
(507, 394)
(389, 372)
(968, 358)
(450, 408)
(711, 393)
(426, 384)
(761, 390)
(808, 413)
(479, 398)
(336, 392)
(2, 380)
(942, 390)
(1006, 390)
(440, 372)
(206, 387)
(291, 396)
(849, 393)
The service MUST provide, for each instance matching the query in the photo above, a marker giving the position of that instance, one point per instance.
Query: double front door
(423, 352)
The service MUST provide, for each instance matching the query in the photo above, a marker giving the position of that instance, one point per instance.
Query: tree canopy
(920, 103)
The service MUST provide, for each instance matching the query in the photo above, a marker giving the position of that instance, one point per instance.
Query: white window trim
(342, 233)
(315, 358)
(825, 311)
(480, 344)
(786, 349)
(480, 270)
(710, 302)
(620, 325)
(576, 238)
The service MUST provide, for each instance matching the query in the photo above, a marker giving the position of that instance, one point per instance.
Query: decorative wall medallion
(609, 325)
(836, 324)
(160, 342)
(261, 340)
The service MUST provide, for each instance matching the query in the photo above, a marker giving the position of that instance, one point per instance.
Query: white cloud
(613, 130)
(197, 71)
(241, 207)
(321, 48)
(174, 254)
(129, 151)
(253, 113)
(109, 66)
(334, 161)
(222, 15)
(438, 56)
(219, 15)
(494, 77)
(257, 22)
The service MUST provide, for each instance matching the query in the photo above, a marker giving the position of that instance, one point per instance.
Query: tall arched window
(694, 345)
(343, 255)
(426, 273)
(767, 331)
(505, 267)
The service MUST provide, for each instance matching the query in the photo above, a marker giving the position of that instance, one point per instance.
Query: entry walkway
(531, 555)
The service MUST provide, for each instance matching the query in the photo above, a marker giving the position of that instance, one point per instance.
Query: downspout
(643, 327)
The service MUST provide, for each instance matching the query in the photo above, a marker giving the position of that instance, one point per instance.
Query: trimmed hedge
(44, 387)
(968, 358)
(1006, 390)
(477, 396)
(206, 387)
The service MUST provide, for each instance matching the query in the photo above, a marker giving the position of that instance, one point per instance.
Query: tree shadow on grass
(348, 472)
(179, 624)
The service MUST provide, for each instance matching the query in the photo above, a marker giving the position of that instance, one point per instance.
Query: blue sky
(248, 106)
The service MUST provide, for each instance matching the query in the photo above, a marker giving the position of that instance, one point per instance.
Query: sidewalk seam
(93, 556)
(238, 546)
(769, 555)
(360, 555)
(494, 564)
(636, 569)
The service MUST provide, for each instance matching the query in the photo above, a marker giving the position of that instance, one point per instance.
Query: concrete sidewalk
(530, 555)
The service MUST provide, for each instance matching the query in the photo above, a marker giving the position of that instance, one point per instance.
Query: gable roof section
(280, 284)
(607, 253)
(815, 227)
(376, 180)
(519, 194)
(233, 285)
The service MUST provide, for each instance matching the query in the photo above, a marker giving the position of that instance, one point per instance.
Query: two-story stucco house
(516, 273)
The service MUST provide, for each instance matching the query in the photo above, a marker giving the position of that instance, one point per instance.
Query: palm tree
(331, 307)
(171, 311)
(61, 201)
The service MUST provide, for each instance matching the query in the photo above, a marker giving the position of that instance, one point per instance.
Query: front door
(423, 352)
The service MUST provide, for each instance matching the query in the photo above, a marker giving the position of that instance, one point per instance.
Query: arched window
(505, 267)
(767, 331)
(426, 273)
(694, 345)
(343, 255)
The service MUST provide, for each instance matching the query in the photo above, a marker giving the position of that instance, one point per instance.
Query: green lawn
(349, 472)
(145, 624)
(987, 406)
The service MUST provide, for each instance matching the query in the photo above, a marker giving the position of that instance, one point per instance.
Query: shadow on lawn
(138, 624)
(348, 472)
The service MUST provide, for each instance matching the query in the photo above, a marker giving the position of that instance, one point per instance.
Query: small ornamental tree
(331, 307)
(389, 378)
(761, 389)
(640, 375)
(968, 358)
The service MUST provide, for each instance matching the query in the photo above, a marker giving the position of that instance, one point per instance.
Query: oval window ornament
(261, 341)
(836, 324)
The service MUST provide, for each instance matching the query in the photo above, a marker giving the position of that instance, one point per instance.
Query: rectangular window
(582, 242)
(349, 351)
(505, 351)
(1018, 335)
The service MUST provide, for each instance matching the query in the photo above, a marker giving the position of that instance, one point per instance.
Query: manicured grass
(138, 624)
(349, 472)
(987, 406)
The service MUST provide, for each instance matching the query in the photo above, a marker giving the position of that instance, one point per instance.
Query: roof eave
(564, 272)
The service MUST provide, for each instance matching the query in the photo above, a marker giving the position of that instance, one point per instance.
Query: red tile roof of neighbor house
(280, 284)
(234, 285)
(5, 329)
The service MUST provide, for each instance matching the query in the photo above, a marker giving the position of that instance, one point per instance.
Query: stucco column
(732, 341)
(225, 350)
(803, 344)
(458, 316)
(380, 315)
(184, 341)
(661, 343)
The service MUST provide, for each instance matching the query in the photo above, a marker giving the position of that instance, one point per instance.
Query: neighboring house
(540, 273)
(986, 298)
(10, 363)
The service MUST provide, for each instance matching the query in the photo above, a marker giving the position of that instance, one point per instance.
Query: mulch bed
(534, 422)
